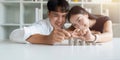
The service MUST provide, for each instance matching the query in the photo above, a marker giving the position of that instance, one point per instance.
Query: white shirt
(43, 27)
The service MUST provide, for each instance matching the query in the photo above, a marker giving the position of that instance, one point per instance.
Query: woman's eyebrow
(77, 19)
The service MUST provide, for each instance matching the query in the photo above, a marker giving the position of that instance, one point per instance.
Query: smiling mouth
(58, 25)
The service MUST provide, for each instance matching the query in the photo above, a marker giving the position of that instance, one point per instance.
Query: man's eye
(55, 15)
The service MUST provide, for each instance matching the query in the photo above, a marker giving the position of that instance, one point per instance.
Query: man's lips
(57, 24)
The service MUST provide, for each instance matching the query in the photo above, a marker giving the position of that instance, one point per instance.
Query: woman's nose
(81, 26)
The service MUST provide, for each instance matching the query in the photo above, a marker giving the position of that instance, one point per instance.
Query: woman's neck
(92, 22)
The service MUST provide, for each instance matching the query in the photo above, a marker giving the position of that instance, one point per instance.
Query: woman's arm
(107, 34)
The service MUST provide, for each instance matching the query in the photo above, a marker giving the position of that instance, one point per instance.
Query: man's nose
(60, 19)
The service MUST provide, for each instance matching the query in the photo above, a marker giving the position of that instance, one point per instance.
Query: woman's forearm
(104, 37)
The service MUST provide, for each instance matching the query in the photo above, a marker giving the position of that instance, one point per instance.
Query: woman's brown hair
(79, 10)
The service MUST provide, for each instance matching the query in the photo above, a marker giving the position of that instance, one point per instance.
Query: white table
(16, 51)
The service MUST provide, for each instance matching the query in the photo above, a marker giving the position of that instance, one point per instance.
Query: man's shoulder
(40, 27)
(42, 21)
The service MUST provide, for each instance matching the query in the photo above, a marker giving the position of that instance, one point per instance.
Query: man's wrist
(48, 40)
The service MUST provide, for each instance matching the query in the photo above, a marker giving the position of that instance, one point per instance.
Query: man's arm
(57, 35)
(39, 39)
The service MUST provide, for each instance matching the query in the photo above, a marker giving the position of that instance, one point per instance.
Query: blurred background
(19, 13)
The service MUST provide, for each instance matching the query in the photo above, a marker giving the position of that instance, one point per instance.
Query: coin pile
(78, 42)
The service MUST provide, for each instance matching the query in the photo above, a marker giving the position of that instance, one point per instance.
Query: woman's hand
(83, 34)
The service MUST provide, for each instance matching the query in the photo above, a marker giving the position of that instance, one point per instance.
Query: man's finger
(60, 34)
(66, 33)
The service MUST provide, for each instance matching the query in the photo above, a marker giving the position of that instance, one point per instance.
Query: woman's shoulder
(100, 21)
(102, 17)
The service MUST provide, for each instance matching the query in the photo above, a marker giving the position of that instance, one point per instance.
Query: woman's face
(80, 21)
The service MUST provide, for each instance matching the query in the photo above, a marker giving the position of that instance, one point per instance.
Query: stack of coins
(79, 42)
(71, 41)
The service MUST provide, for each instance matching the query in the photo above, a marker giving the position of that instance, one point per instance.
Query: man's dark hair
(55, 5)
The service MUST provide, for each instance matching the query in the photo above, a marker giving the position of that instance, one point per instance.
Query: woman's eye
(78, 20)
(85, 25)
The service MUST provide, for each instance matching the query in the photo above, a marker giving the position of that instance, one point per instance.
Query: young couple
(85, 26)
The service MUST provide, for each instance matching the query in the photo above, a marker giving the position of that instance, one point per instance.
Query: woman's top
(99, 25)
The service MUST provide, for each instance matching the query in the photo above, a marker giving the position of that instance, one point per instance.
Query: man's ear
(48, 13)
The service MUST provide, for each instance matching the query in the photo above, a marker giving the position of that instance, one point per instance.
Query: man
(47, 31)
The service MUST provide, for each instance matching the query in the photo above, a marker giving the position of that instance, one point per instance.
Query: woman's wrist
(92, 38)
(95, 37)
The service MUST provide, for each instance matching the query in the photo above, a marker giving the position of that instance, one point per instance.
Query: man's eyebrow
(54, 13)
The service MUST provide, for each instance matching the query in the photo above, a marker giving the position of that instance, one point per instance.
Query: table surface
(17, 51)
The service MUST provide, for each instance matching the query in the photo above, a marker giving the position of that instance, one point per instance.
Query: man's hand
(58, 35)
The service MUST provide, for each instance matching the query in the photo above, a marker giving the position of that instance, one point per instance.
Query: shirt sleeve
(28, 31)
(21, 35)
(17, 35)
(106, 18)
(36, 29)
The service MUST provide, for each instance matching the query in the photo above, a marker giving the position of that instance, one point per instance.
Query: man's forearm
(39, 39)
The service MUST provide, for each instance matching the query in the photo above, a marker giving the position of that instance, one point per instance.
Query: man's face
(57, 19)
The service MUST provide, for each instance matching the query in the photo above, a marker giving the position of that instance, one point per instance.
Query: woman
(89, 27)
